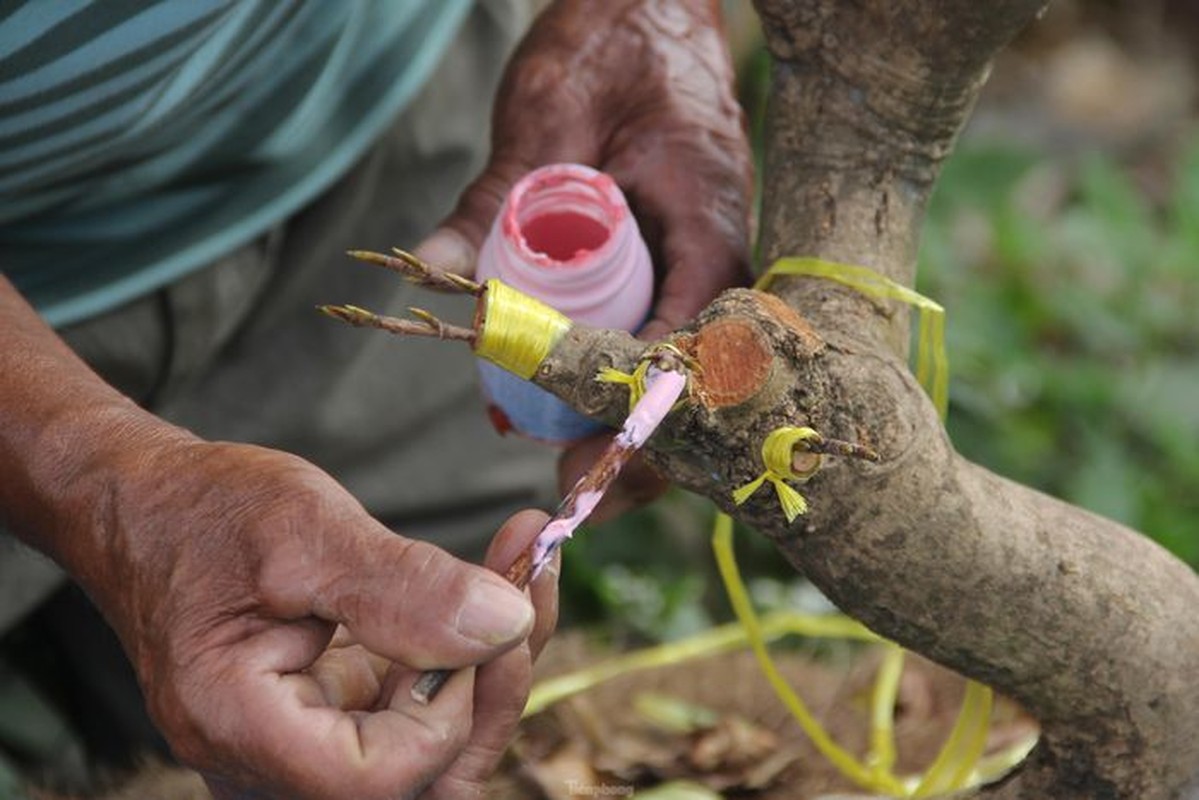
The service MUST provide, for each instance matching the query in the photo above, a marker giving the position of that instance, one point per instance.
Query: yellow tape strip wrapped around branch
(932, 365)
(517, 331)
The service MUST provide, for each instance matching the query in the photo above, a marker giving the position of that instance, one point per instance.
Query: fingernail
(494, 613)
(448, 250)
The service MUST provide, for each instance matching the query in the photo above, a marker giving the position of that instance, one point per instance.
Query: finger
(273, 733)
(501, 690)
(514, 537)
(521, 143)
(389, 752)
(415, 604)
(350, 677)
(454, 245)
(693, 200)
(637, 485)
(701, 261)
(544, 593)
(448, 250)
(698, 268)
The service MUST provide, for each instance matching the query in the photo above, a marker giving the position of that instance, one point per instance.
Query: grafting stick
(663, 388)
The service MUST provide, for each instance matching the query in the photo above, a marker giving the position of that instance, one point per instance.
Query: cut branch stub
(757, 370)
(736, 361)
(736, 343)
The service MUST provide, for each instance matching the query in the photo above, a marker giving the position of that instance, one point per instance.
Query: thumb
(415, 604)
(454, 245)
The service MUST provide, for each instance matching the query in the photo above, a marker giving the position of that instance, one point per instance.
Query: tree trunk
(1091, 626)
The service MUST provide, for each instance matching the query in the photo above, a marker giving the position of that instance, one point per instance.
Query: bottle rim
(578, 188)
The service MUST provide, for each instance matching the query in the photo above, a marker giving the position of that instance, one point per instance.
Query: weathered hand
(642, 89)
(228, 571)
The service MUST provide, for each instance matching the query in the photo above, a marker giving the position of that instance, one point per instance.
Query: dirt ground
(742, 741)
(711, 721)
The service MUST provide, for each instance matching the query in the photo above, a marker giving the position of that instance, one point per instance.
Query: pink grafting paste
(663, 388)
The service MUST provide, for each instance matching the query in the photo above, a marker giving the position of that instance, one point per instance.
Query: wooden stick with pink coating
(663, 388)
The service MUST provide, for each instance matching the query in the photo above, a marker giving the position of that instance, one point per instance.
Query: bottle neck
(566, 236)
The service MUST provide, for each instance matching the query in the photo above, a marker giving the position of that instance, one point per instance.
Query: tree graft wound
(736, 354)
(756, 368)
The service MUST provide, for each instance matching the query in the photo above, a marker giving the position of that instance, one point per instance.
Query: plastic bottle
(566, 236)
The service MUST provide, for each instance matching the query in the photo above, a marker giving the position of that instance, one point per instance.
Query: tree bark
(1090, 625)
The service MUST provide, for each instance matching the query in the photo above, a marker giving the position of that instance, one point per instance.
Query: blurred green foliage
(1073, 329)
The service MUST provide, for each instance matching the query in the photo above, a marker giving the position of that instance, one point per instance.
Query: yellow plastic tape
(932, 364)
(517, 331)
(635, 380)
(777, 455)
(734, 586)
(955, 765)
(882, 712)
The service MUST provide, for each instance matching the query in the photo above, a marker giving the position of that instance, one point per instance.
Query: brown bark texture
(1090, 625)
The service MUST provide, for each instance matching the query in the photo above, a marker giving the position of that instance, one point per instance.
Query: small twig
(838, 447)
(663, 389)
(419, 272)
(425, 325)
(430, 320)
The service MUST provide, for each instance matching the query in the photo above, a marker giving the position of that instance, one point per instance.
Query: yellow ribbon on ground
(843, 760)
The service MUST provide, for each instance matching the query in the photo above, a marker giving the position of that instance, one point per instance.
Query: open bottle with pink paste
(566, 236)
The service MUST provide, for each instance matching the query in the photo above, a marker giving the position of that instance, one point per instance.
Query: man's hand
(643, 90)
(230, 568)
(227, 569)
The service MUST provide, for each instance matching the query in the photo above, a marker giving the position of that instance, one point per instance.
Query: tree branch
(1089, 624)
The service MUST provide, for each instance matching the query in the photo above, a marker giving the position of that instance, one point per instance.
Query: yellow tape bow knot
(664, 355)
(778, 453)
(635, 380)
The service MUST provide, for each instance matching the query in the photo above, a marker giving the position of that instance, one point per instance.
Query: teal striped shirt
(141, 140)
